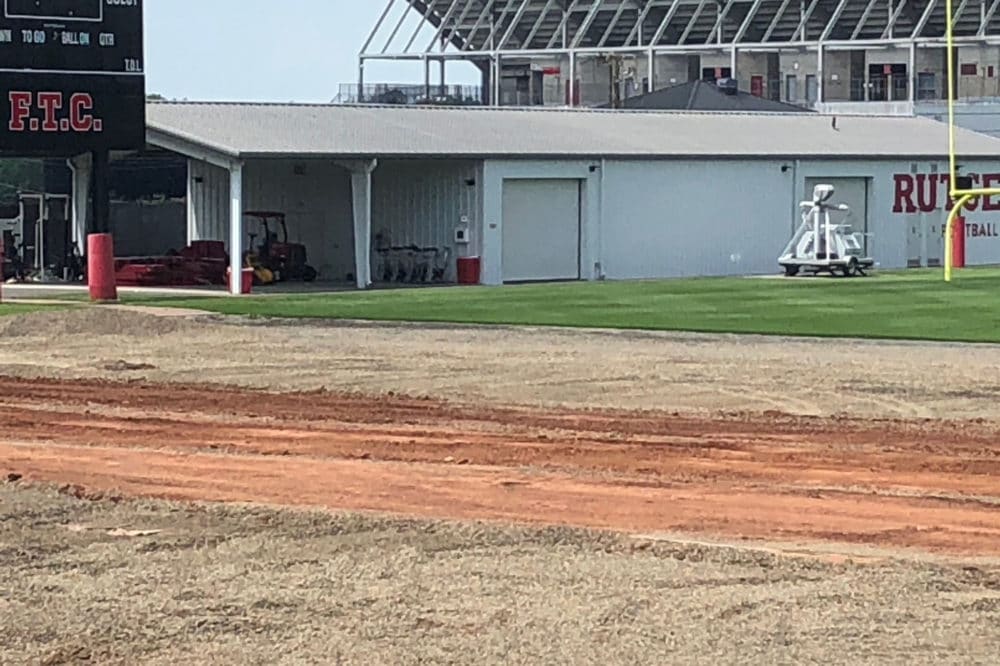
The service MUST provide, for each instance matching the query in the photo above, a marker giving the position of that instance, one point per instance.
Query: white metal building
(566, 194)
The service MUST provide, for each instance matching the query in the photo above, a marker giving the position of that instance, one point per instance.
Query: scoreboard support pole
(102, 195)
(100, 245)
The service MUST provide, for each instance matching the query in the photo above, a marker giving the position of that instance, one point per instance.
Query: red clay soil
(928, 485)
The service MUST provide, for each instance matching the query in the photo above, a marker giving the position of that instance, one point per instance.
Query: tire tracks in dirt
(911, 484)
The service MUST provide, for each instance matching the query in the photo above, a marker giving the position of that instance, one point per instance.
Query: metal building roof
(705, 96)
(245, 130)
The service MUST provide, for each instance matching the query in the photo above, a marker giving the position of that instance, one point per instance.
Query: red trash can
(246, 280)
(101, 268)
(468, 270)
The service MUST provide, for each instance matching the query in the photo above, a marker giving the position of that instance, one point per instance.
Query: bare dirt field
(887, 484)
(547, 367)
(760, 515)
(105, 582)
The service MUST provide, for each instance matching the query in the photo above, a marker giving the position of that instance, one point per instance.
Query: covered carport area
(327, 204)
(367, 212)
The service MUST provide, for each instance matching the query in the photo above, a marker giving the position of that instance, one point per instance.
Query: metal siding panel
(476, 232)
(667, 219)
(211, 202)
(196, 170)
(223, 204)
(421, 202)
(317, 206)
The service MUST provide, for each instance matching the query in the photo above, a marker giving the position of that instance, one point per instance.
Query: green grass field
(908, 305)
(13, 309)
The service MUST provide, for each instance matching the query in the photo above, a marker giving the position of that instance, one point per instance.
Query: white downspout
(236, 228)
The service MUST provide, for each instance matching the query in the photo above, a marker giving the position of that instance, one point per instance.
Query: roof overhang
(192, 147)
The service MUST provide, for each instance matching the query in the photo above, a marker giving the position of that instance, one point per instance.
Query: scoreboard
(61, 10)
(71, 76)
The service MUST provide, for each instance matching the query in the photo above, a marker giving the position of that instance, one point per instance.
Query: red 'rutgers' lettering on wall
(928, 192)
(991, 180)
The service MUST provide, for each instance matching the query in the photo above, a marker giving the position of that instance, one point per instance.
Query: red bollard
(958, 243)
(101, 268)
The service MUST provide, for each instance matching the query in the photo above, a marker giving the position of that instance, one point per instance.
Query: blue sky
(263, 50)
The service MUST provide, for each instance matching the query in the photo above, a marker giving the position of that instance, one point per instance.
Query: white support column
(912, 73)
(192, 214)
(80, 167)
(235, 227)
(651, 70)
(361, 195)
(427, 78)
(733, 58)
(361, 81)
(572, 79)
(497, 79)
(820, 76)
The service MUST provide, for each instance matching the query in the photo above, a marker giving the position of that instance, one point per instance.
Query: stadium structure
(877, 56)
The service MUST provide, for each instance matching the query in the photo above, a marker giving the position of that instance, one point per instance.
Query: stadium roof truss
(479, 30)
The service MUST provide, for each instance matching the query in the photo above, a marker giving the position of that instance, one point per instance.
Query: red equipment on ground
(286, 260)
(202, 263)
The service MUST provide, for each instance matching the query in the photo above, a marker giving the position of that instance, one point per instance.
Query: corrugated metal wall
(421, 202)
(209, 207)
(684, 218)
(663, 219)
(316, 198)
